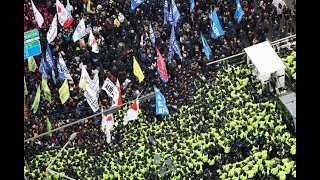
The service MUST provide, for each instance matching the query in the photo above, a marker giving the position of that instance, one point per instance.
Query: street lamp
(72, 137)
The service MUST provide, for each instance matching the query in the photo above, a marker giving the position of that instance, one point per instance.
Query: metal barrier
(277, 45)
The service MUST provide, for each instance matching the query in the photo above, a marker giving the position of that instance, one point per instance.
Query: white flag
(65, 70)
(93, 43)
(53, 30)
(84, 78)
(37, 15)
(110, 88)
(69, 7)
(64, 17)
(80, 31)
(132, 113)
(94, 84)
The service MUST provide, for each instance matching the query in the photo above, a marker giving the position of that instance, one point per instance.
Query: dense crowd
(122, 34)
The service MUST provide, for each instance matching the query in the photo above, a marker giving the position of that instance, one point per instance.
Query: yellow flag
(64, 92)
(137, 70)
(46, 90)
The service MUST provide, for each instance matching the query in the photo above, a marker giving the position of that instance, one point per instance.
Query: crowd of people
(122, 34)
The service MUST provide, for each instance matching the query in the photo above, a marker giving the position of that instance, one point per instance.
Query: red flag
(162, 70)
(119, 94)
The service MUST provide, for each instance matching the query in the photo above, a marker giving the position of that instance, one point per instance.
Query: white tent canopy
(266, 62)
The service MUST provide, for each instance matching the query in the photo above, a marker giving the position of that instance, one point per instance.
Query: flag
(94, 84)
(53, 30)
(80, 31)
(36, 100)
(69, 7)
(216, 29)
(132, 113)
(25, 86)
(89, 7)
(92, 99)
(170, 16)
(206, 47)
(161, 107)
(175, 13)
(32, 65)
(60, 71)
(65, 69)
(174, 46)
(165, 12)
(162, 70)
(239, 12)
(152, 37)
(53, 76)
(84, 77)
(49, 127)
(137, 70)
(191, 5)
(135, 3)
(43, 68)
(64, 92)
(93, 43)
(37, 15)
(49, 59)
(64, 16)
(106, 125)
(45, 89)
(117, 96)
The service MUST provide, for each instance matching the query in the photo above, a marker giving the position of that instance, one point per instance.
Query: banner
(175, 13)
(93, 43)
(162, 70)
(37, 15)
(216, 29)
(137, 70)
(135, 3)
(32, 65)
(239, 12)
(161, 108)
(91, 99)
(60, 71)
(110, 88)
(36, 101)
(65, 69)
(43, 68)
(191, 5)
(49, 59)
(206, 47)
(64, 16)
(45, 89)
(80, 31)
(53, 30)
(64, 92)
(152, 37)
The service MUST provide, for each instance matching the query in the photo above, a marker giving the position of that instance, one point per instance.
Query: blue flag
(216, 29)
(165, 12)
(191, 5)
(43, 69)
(206, 47)
(60, 72)
(135, 3)
(174, 46)
(53, 76)
(152, 37)
(175, 13)
(239, 12)
(161, 107)
(49, 58)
